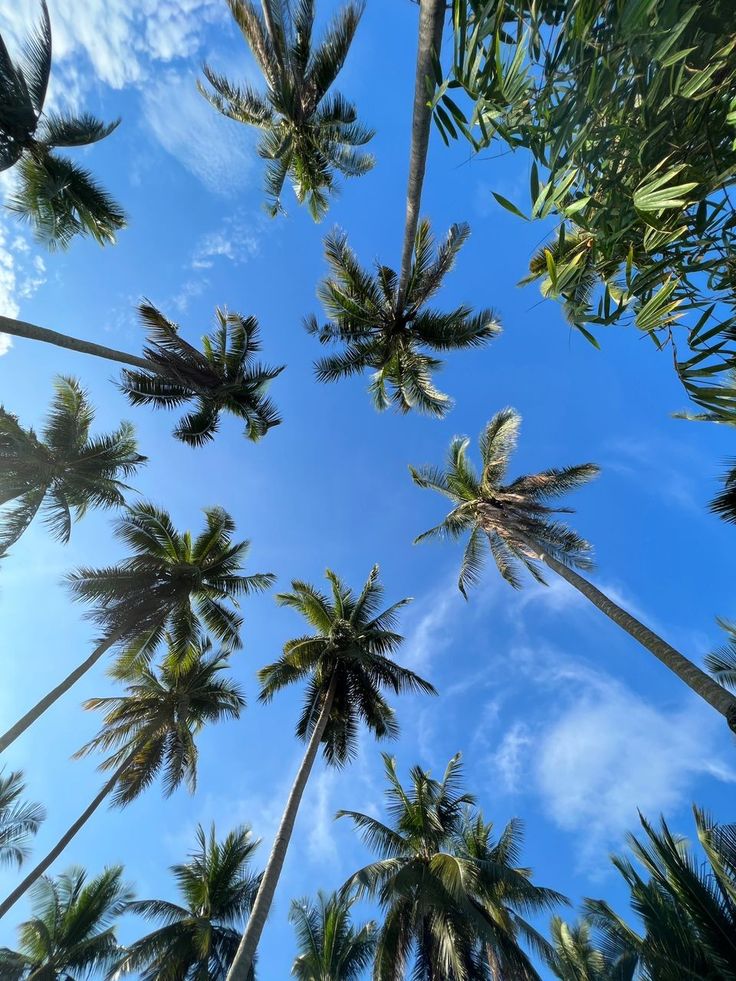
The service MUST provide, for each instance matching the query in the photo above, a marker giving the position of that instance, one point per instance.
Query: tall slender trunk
(694, 677)
(20, 328)
(431, 23)
(243, 960)
(48, 700)
(65, 839)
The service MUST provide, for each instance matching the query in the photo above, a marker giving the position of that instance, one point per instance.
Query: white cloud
(216, 150)
(511, 756)
(21, 272)
(236, 242)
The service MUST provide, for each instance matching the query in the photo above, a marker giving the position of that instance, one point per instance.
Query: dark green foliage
(452, 897)
(511, 518)
(722, 662)
(223, 377)
(375, 335)
(575, 956)
(352, 647)
(65, 470)
(330, 947)
(170, 583)
(71, 932)
(687, 907)
(628, 112)
(19, 821)
(58, 198)
(158, 718)
(306, 133)
(198, 939)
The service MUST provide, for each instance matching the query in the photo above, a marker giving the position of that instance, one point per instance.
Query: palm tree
(724, 503)
(332, 949)
(576, 958)
(65, 469)
(151, 731)
(520, 527)
(19, 820)
(686, 907)
(451, 897)
(59, 198)
(431, 24)
(345, 664)
(306, 133)
(72, 930)
(390, 339)
(199, 938)
(222, 377)
(722, 662)
(170, 583)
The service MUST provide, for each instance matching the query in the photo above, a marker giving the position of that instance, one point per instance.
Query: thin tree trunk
(694, 677)
(48, 700)
(431, 23)
(20, 328)
(61, 844)
(243, 960)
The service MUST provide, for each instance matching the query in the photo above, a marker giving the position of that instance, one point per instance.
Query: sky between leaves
(561, 721)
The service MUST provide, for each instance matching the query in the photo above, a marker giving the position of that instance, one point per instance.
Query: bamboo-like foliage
(331, 948)
(504, 515)
(307, 133)
(58, 197)
(223, 377)
(170, 583)
(19, 819)
(72, 929)
(376, 335)
(199, 937)
(64, 470)
(452, 897)
(685, 906)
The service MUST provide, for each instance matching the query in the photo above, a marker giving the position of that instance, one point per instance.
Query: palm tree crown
(575, 957)
(331, 948)
(199, 938)
(452, 898)
(72, 930)
(153, 726)
(510, 517)
(56, 196)
(391, 340)
(350, 654)
(65, 470)
(223, 377)
(307, 134)
(19, 820)
(687, 907)
(171, 582)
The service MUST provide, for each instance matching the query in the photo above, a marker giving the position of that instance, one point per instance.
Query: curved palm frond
(19, 820)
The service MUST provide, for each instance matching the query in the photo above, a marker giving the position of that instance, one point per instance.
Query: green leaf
(509, 205)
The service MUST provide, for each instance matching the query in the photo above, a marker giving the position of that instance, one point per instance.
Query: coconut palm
(199, 938)
(331, 947)
(307, 134)
(389, 339)
(686, 907)
(724, 503)
(19, 821)
(170, 583)
(518, 523)
(59, 198)
(151, 732)
(576, 957)
(452, 898)
(346, 664)
(722, 662)
(63, 471)
(72, 928)
(222, 377)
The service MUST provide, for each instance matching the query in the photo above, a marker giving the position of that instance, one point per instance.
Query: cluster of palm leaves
(58, 197)
(307, 134)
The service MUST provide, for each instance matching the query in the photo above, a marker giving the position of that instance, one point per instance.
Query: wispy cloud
(237, 241)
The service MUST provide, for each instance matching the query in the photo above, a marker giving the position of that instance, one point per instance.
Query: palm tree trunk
(20, 328)
(61, 844)
(431, 23)
(695, 678)
(48, 700)
(241, 965)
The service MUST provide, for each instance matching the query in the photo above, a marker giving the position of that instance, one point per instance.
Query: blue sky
(561, 720)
